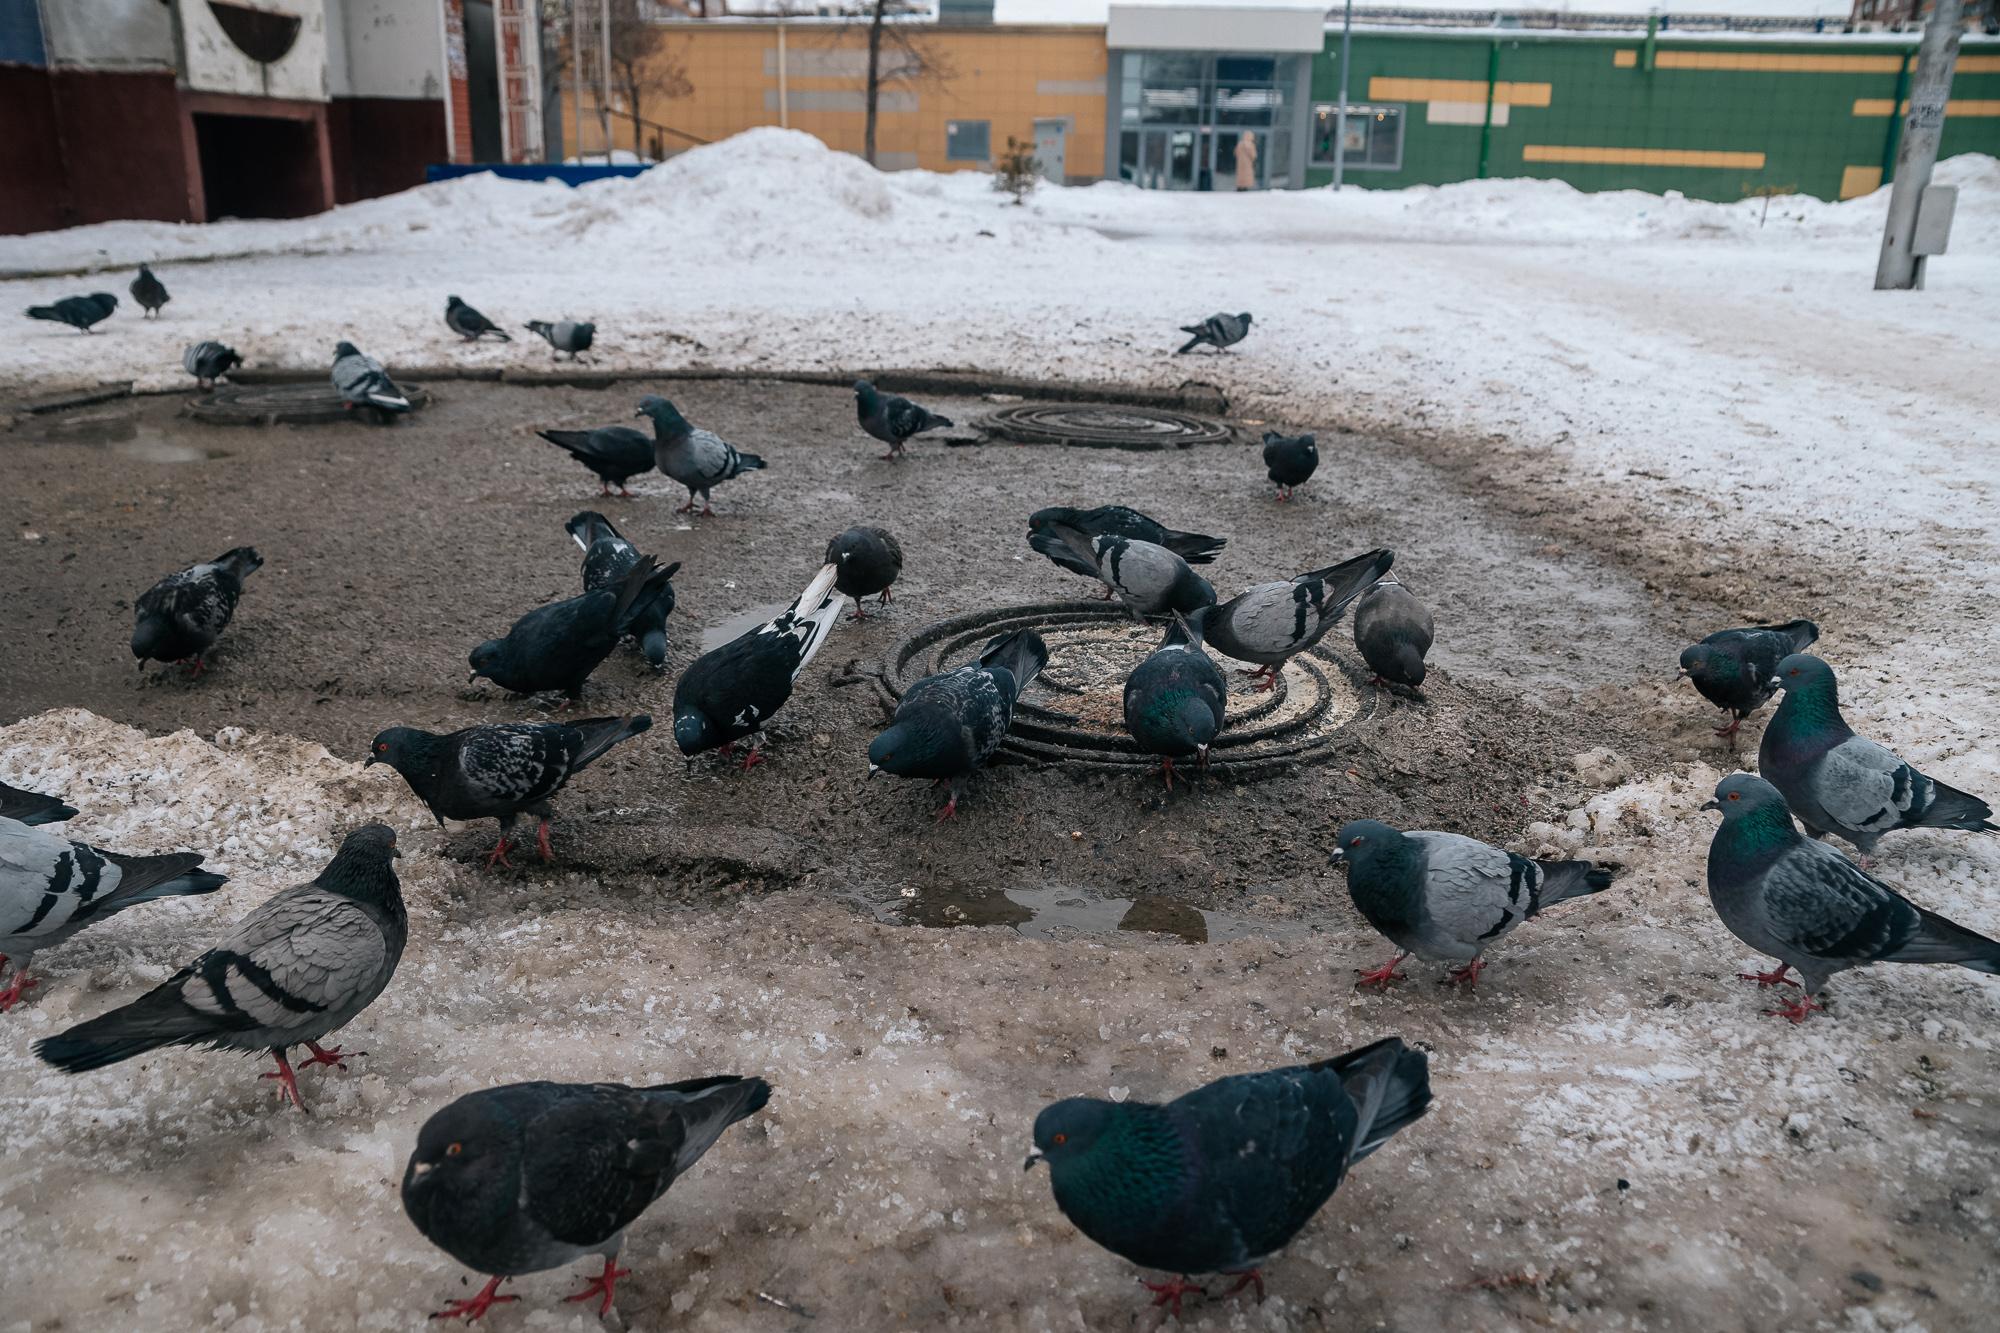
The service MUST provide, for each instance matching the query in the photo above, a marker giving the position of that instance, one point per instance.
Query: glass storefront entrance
(1187, 121)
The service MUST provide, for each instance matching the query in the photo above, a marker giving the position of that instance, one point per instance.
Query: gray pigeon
(532, 1176)
(949, 724)
(31, 807)
(79, 312)
(1445, 897)
(1734, 669)
(607, 558)
(1150, 579)
(1175, 700)
(565, 335)
(179, 618)
(1837, 782)
(1393, 631)
(209, 361)
(469, 324)
(892, 420)
(870, 560)
(364, 384)
(1811, 908)
(697, 459)
(51, 887)
(1272, 623)
(1218, 331)
(149, 292)
(297, 968)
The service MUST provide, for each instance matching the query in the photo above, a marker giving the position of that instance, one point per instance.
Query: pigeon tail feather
(144, 878)
(1942, 941)
(1391, 1087)
(158, 1018)
(1564, 880)
(601, 733)
(1952, 808)
(1023, 653)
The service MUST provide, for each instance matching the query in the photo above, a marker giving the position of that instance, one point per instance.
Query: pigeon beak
(471, 676)
(418, 1170)
(1033, 1158)
(1337, 854)
(1711, 805)
(1682, 674)
(873, 769)
(1775, 682)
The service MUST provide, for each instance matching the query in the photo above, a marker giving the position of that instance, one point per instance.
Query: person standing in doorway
(1246, 162)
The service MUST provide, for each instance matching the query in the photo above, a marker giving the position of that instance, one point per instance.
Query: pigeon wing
(304, 953)
(595, 1161)
(1864, 786)
(1473, 893)
(508, 767)
(1825, 906)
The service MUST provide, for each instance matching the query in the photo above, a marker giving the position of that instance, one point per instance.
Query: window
(1374, 135)
(968, 140)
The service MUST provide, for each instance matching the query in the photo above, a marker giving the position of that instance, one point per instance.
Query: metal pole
(1340, 112)
(1486, 126)
(604, 80)
(784, 105)
(1937, 56)
(576, 70)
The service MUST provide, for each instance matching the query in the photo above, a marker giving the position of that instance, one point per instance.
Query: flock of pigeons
(532, 1176)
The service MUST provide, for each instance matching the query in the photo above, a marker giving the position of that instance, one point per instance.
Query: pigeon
(1176, 698)
(869, 561)
(1223, 1178)
(556, 647)
(697, 459)
(1393, 632)
(1290, 460)
(499, 772)
(1811, 908)
(363, 383)
(149, 292)
(1272, 623)
(51, 887)
(607, 558)
(179, 618)
(297, 968)
(1218, 331)
(1734, 668)
(532, 1176)
(469, 324)
(1151, 579)
(730, 692)
(79, 312)
(1445, 897)
(565, 335)
(209, 361)
(949, 724)
(615, 453)
(892, 420)
(1837, 782)
(31, 807)
(1116, 520)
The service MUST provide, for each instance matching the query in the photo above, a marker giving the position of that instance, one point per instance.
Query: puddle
(1043, 913)
(714, 636)
(123, 434)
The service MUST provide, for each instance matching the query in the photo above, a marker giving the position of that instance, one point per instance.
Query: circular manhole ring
(288, 404)
(1104, 426)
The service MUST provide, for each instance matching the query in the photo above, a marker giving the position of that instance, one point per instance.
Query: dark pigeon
(1221, 1179)
(31, 807)
(1151, 580)
(1118, 521)
(697, 459)
(1447, 898)
(1393, 631)
(892, 420)
(500, 772)
(149, 292)
(1217, 331)
(179, 618)
(1176, 698)
(615, 453)
(363, 383)
(469, 324)
(1811, 908)
(730, 692)
(299, 967)
(869, 560)
(51, 887)
(607, 558)
(532, 1176)
(949, 724)
(1837, 782)
(79, 312)
(1272, 623)
(565, 335)
(1734, 668)
(209, 362)
(556, 647)
(1290, 460)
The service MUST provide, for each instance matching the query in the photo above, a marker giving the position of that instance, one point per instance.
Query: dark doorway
(482, 81)
(259, 166)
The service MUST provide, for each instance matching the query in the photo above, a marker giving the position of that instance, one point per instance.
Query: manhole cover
(295, 404)
(1103, 426)
(1074, 712)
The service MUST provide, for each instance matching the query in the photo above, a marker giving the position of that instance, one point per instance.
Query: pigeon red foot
(1171, 1292)
(498, 856)
(1383, 975)
(288, 1086)
(477, 1307)
(1774, 978)
(325, 1055)
(1467, 976)
(17, 989)
(602, 1285)
(1247, 1278)
(542, 841)
(1798, 1009)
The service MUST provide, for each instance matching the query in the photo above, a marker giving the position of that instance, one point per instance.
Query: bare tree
(643, 62)
(895, 57)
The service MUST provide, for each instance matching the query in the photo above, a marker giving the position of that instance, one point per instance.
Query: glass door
(1183, 118)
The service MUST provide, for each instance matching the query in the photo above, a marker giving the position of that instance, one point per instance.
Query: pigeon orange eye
(454, 1150)
(1059, 1139)
(1735, 796)
(382, 748)
(1354, 842)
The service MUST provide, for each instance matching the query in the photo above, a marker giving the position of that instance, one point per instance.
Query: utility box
(1934, 214)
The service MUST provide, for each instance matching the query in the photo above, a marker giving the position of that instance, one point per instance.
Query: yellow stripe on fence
(1456, 90)
(1642, 157)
